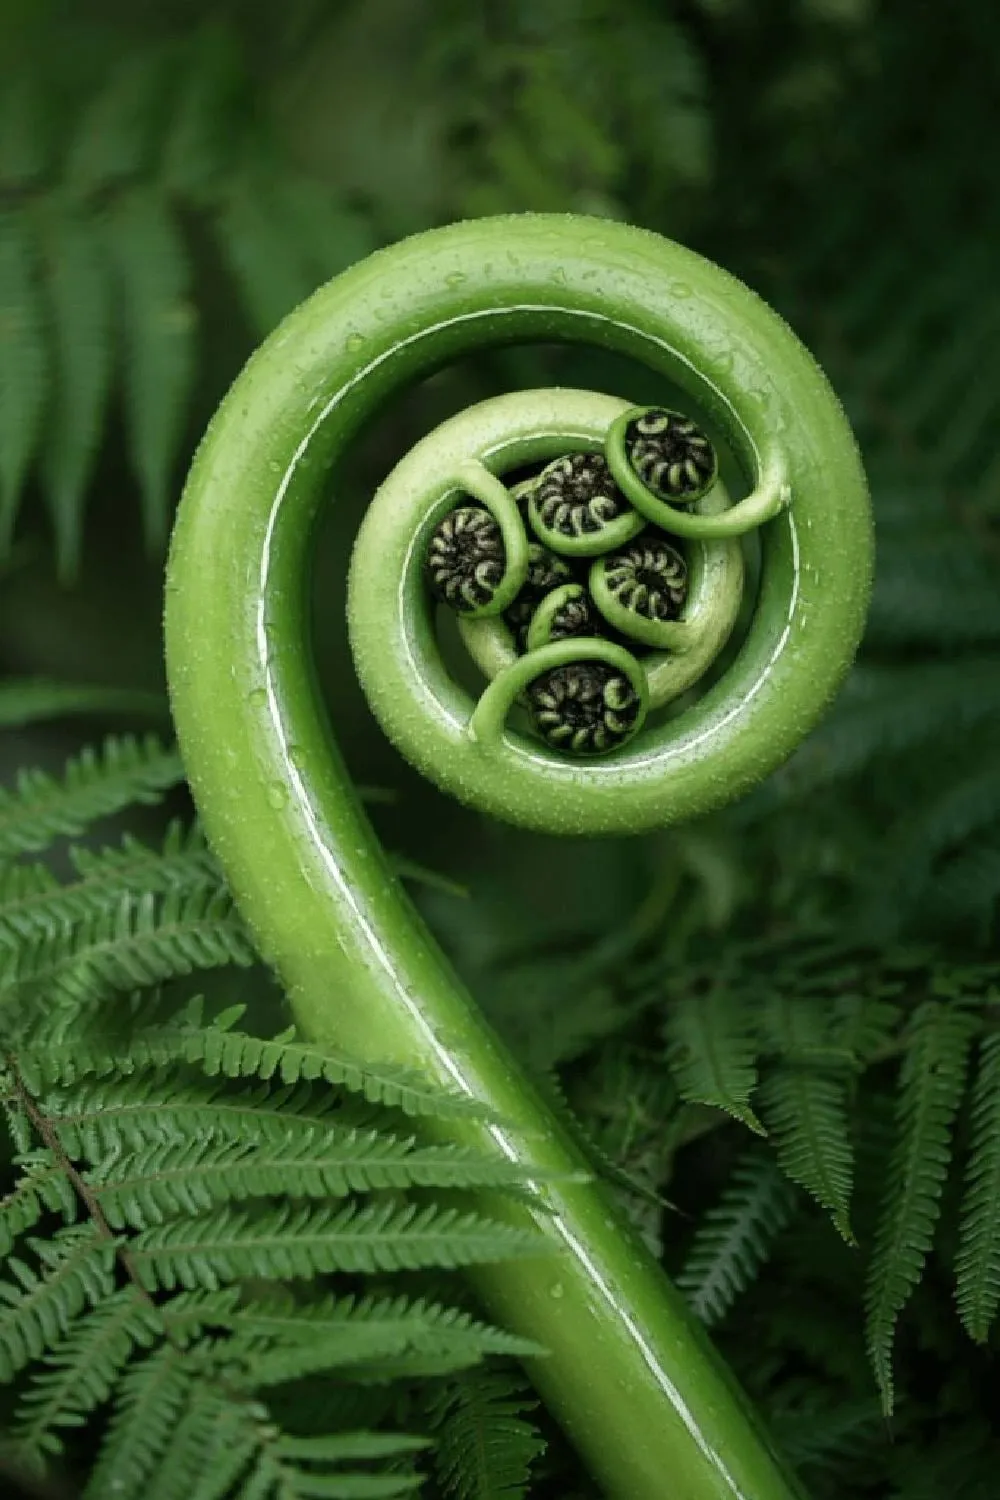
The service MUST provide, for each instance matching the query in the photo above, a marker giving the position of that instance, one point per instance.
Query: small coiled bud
(465, 558)
(546, 572)
(649, 578)
(584, 708)
(575, 617)
(576, 499)
(670, 454)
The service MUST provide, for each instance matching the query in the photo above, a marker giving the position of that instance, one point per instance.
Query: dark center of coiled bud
(577, 496)
(465, 558)
(546, 572)
(584, 707)
(575, 617)
(670, 454)
(650, 577)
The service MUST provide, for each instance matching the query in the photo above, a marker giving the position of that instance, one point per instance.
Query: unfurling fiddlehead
(618, 728)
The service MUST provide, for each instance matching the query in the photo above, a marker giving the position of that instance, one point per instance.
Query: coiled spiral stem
(636, 1384)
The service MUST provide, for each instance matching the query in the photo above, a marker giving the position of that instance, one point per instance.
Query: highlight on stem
(630, 670)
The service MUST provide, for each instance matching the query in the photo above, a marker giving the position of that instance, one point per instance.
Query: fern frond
(264, 262)
(804, 1107)
(81, 333)
(36, 1310)
(41, 1187)
(932, 1080)
(81, 1373)
(149, 1403)
(24, 361)
(140, 941)
(175, 1178)
(713, 1052)
(887, 710)
(977, 1267)
(734, 1239)
(485, 1447)
(817, 1433)
(160, 321)
(34, 905)
(96, 783)
(276, 1244)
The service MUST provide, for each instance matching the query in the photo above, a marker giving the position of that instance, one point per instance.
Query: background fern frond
(485, 1445)
(734, 1238)
(977, 1266)
(95, 784)
(932, 1081)
(713, 1051)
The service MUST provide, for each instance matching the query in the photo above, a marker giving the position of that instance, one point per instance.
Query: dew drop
(680, 289)
(557, 1291)
(354, 341)
(277, 794)
(257, 697)
(457, 278)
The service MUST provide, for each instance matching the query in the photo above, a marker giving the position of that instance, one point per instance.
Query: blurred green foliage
(174, 177)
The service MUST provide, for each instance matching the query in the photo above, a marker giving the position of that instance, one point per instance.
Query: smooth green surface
(631, 1376)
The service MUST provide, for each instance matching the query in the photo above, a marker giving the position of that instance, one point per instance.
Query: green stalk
(630, 1374)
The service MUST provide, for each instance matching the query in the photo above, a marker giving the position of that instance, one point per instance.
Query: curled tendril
(626, 1370)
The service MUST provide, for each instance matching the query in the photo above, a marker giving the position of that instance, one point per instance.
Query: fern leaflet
(734, 1239)
(932, 1080)
(978, 1264)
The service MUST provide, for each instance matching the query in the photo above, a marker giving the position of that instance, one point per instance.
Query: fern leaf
(282, 1243)
(142, 940)
(42, 1186)
(98, 1118)
(182, 860)
(734, 1239)
(822, 1435)
(113, 137)
(194, 1176)
(127, 770)
(485, 1447)
(34, 906)
(159, 325)
(292, 1340)
(804, 1108)
(210, 1419)
(202, 132)
(264, 260)
(37, 1309)
(978, 1263)
(234, 1054)
(82, 336)
(81, 1373)
(932, 1080)
(28, 700)
(148, 1407)
(713, 1053)
(23, 366)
